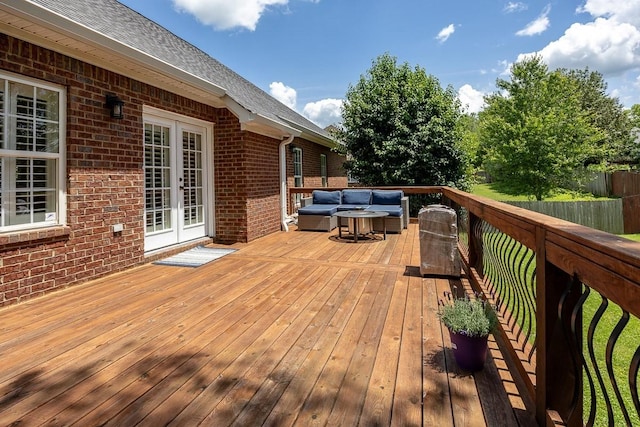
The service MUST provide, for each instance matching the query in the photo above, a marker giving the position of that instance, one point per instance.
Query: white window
(297, 173)
(32, 149)
(323, 170)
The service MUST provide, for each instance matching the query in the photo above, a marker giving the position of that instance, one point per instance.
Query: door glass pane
(192, 178)
(157, 178)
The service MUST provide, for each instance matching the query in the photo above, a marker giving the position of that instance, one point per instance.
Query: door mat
(195, 257)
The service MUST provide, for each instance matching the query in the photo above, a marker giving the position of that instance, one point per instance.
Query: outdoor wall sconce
(116, 106)
(292, 147)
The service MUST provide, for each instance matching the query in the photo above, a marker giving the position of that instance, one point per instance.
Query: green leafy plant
(470, 317)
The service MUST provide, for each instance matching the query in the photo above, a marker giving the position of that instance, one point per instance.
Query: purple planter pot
(470, 352)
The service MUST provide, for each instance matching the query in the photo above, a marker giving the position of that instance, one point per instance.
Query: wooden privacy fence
(618, 184)
(569, 303)
(605, 215)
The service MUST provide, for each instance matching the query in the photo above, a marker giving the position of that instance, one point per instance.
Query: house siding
(105, 178)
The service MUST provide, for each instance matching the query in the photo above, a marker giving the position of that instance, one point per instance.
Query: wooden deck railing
(569, 299)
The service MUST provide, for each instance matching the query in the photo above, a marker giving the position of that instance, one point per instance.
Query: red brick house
(199, 155)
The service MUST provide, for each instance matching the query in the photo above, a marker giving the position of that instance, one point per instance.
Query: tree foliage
(400, 128)
(535, 132)
(470, 142)
(634, 145)
(605, 113)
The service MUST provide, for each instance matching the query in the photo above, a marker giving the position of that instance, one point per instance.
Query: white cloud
(445, 33)
(283, 93)
(619, 10)
(225, 14)
(604, 45)
(512, 7)
(503, 68)
(324, 112)
(472, 100)
(538, 25)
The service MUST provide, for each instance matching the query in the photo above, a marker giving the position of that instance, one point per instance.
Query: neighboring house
(199, 155)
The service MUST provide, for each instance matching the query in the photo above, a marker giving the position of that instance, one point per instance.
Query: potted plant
(470, 321)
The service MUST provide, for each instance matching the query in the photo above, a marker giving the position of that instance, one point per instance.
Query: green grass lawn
(494, 191)
(497, 192)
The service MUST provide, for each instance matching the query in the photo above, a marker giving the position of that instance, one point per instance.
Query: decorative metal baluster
(633, 379)
(576, 330)
(571, 340)
(611, 343)
(532, 288)
(592, 356)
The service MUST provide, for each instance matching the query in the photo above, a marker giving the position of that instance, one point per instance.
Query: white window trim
(297, 198)
(324, 174)
(297, 151)
(157, 115)
(61, 202)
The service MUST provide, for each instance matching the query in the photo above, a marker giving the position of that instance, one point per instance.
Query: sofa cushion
(393, 210)
(386, 197)
(321, 197)
(344, 207)
(318, 209)
(356, 197)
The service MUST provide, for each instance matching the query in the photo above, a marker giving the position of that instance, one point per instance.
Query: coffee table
(355, 215)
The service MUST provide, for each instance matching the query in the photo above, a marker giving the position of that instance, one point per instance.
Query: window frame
(298, 179)
(323, 170)
(10, 158)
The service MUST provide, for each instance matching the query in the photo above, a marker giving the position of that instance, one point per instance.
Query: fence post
(475, 243)
(558, 379)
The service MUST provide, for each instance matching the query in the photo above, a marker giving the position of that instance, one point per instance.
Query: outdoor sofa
(318, 211)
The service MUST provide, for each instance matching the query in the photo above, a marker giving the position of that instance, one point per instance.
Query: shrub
(471, 317)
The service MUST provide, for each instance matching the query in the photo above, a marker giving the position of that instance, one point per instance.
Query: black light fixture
(292, 147)
(116, 105)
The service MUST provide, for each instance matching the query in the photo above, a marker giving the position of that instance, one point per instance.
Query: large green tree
(605, 113)
(634, 146)
(536, 135)
(400, 128)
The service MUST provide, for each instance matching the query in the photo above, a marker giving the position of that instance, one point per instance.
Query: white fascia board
(257, 123)
(313, 136)
(276, 125)
(63, 25)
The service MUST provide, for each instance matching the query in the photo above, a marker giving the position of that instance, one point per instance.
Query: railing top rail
(408, 189)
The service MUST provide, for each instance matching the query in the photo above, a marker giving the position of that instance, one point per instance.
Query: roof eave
(259, 124)
(312, 136)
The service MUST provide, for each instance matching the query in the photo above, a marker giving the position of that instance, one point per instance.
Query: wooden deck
(295, 328)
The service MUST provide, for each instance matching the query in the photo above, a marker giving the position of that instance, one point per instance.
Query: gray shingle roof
(118, 22)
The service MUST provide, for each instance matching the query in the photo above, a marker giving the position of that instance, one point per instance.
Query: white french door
(178, 202)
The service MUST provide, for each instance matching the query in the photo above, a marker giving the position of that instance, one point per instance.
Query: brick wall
(105, 183)
(105, 177)
(336, 176)
(263, 185)
(230, 181)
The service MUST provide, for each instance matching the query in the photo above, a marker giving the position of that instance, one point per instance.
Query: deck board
(296, 328)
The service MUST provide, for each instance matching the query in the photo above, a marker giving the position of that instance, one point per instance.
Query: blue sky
(306, 53)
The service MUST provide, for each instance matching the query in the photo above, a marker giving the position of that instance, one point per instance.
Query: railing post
(475, 243)
(558, 380)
